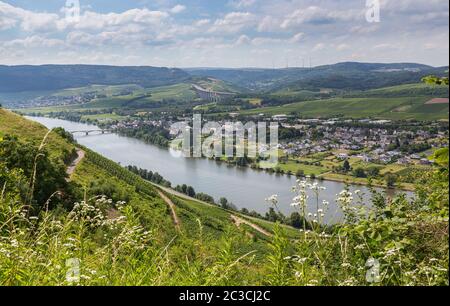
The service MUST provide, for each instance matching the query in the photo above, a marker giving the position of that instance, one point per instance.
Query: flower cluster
(88, 214)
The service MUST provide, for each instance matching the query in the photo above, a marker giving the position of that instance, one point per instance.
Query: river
(244, 187)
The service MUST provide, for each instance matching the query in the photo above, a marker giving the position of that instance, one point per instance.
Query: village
(371, 141)
(368, 143)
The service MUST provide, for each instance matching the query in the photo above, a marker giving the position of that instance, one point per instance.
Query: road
(172, 207)
(236, 219)
(71, 169)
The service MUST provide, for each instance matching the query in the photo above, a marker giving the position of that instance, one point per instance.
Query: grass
(140, 98)
(32, 132)
(94, 177)
(102, 117)
(419, 89)
(307, 169)
(383, 108)
(108, 90)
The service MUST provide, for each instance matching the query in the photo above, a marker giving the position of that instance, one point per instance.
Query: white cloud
(319, 47)
(95, 21)
(33, 41)
(178, 9)
(258, 41)
(411, 30)
(384, 46)
(297, 38)
(202, 22)
(268, 24)
(89, 20)
(342, 47)
(233, 22)
(243, 40)
(29, 21)
(6, 23)
(364, 29)
(261, 51)
(242, 3)
(318, 15)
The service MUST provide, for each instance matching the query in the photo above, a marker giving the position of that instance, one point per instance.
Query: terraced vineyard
(382, 108)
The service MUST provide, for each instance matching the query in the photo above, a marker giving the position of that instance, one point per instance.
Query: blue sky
(223, 33)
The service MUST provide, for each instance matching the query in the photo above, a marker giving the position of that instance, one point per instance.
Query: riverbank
(329, 176)
(243, 187)
(308, 167)
(365, 182)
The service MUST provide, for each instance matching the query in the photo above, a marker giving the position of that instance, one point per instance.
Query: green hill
(54, 77)
(402, 102)
(340, 76)
(406, 90)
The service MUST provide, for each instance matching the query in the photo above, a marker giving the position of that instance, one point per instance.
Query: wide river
(244, 187)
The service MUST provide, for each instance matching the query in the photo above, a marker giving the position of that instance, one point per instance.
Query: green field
(383, 108)
(139, 99)
(307, 169)
(108, 90)
(102, 117)
(408, 90)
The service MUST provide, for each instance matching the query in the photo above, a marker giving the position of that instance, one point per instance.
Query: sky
(223, 33)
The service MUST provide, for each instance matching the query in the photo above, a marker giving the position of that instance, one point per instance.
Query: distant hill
(343, 76)
(404, 102)
(54, 77)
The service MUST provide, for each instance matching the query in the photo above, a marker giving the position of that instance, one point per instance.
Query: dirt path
(169, 202)
(238, 221)
(71, 169)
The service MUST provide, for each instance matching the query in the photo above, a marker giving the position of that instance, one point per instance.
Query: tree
(434, 80)
(190, 191)
(205, 198)
(346, 166)
(390, 180)
(184, 188)
(273, 216)
(300, 173)
(359, 172)
(44, 176)
(440, 157)
(223, 201)
(373, 171)
(296, 220)
(225, 204)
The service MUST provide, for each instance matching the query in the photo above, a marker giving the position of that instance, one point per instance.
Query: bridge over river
(95, 131)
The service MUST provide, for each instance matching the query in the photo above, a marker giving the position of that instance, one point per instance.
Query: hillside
(408, 101)
(344, 76)
(53, 77)
(405, 90)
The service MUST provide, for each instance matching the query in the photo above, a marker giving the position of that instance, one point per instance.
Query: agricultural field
(382, 108)
(107, 90)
